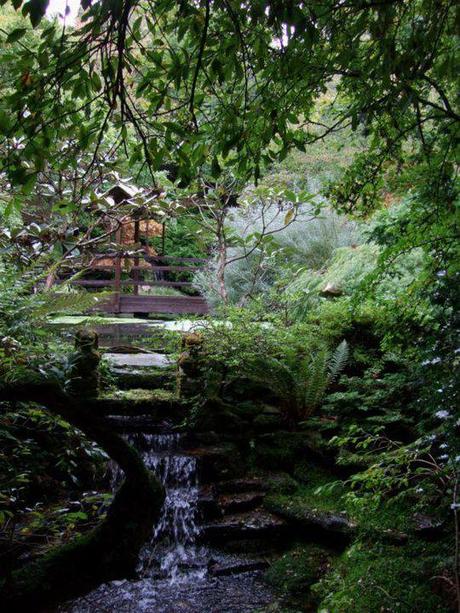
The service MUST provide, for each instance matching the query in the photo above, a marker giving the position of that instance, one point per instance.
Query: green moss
(158, 403)
(280, 483)
(378, 517)
(306, 513)
(295, 572)
(141, 395)
(280, 450)
(372, 578)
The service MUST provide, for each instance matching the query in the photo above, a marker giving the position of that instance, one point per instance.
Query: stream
(173, 569)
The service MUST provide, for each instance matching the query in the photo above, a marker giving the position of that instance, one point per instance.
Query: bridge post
(117, 280)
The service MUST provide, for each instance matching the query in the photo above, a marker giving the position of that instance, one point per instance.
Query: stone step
(158, 404)
(208, 507)
(237, 567)
(240, 502)
(140, 424)
(258, 524)
(138, 360)
(144, 378)
(239, 486)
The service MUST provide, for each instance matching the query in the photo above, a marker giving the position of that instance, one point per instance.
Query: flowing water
(173, 566)
(172, 552)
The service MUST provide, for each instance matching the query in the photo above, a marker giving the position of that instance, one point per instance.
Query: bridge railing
(130, 262)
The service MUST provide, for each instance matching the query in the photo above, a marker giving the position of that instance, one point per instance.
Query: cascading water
(172, 552)
(172, 567)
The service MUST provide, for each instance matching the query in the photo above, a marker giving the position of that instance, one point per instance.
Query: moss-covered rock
(280, 450)
(280, 483)
(159, 403)
(294, 573)
(312, 523)
(84, 365)
(374, 577)
(215, 415)
(317, 515)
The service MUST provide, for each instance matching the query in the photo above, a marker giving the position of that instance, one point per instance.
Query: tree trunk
(111, 550)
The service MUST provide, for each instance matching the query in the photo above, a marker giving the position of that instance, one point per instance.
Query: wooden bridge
(127, 278)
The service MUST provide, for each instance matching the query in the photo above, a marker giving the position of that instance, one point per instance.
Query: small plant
(301, 380)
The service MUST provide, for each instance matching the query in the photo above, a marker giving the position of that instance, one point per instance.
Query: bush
(269, 247)
(293, 362)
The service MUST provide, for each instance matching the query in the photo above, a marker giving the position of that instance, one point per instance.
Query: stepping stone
(236, 486)
(139, 360)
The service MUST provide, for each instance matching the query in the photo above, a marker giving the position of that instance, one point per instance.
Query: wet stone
(138, 360)
(234, 503)
(255, 524)
(177, 573)
(244, 593)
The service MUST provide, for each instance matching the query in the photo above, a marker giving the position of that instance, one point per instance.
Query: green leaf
(15, 35)
(96, 82)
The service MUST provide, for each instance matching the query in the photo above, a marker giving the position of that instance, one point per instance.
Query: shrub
(268, 244)
(293, 362)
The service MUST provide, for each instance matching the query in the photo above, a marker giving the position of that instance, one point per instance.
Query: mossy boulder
(219, 463)
(376, 577)
(294, 573)
(217, 416)
(268, 418)
(280, 450)
(312, 523)
(315, 514)
(280, 483)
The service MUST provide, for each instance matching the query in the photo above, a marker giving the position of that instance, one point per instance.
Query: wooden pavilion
(134, 266)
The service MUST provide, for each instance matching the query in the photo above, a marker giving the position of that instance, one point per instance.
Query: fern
(316, 383)
(338, 361)
(300, 381)
(47, 303)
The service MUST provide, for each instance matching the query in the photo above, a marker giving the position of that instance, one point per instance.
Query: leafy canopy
(218, 82)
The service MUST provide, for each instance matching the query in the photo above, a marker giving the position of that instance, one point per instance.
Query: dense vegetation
(308, 151)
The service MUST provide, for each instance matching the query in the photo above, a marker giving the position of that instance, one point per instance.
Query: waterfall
(172, 551)
(173, 566)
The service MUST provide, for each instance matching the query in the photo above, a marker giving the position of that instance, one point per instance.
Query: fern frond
(47, 303)
(338, 360)
(316, 383)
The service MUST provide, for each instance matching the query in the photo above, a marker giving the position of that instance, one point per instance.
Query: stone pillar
(84, 365)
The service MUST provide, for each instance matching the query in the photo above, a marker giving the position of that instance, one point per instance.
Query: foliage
(300, 378)
(268, 58)
(293, 362)
(183, 238)
(24, 306)
(42, 457)
(270, 238)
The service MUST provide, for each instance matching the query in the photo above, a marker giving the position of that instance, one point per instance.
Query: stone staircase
(236, 526)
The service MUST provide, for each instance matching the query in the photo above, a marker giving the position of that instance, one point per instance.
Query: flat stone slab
(138, 360)
(253, 524)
